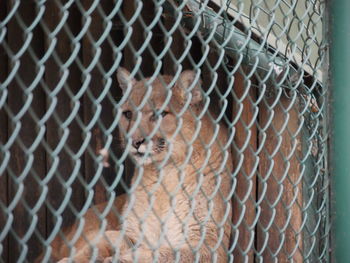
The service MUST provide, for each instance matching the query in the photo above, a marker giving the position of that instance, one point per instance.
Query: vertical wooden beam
(24, 171)
(280, 186)
(139, 37)
(244, 200)
(53, 75)
(129, 10)
(3, 140)
(96, 88)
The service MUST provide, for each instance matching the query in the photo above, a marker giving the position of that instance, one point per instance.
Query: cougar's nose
(137, 143)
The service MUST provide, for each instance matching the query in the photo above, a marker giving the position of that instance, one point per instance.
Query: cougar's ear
(124, 79)
(186, 82)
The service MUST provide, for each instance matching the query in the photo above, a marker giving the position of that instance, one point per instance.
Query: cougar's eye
(156, 115)
(127, 114)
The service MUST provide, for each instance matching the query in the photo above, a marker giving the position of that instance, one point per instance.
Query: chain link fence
(221, 151)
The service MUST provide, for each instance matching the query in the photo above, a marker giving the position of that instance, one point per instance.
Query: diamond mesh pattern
(261, 65)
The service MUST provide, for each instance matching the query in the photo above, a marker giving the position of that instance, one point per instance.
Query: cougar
(179, 208)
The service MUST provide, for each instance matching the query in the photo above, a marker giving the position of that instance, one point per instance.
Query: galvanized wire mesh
(259, 69)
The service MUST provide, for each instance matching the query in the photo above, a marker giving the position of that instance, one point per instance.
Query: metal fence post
(340, 80)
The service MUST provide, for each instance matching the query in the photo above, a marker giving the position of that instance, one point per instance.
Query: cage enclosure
(164, 131)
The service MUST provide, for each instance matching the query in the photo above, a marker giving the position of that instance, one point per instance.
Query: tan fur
(179, 203)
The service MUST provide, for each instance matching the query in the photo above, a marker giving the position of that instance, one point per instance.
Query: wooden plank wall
(259, 177)
(22, 180)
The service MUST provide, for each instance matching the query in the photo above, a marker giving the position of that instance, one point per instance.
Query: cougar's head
(159, 116)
